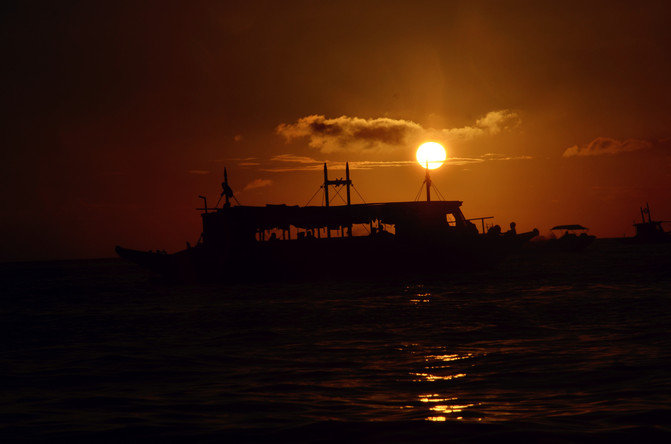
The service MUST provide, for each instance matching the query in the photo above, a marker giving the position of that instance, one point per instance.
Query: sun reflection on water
(430, 377)
(444, 406)
(436, 418)
(421, 298)
(451, 408)
(434, 398)
(448, 358)
(441, 406)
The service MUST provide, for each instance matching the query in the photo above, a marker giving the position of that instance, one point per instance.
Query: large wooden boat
(374, 239)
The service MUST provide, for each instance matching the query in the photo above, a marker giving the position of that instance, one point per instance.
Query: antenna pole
(647, 206)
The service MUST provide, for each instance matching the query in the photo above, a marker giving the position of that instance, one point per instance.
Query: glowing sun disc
(432, 153)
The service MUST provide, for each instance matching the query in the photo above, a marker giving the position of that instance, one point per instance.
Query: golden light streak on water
(448, 358)
(430, 377)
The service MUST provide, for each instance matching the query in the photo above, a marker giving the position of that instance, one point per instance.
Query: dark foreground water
(543, 348)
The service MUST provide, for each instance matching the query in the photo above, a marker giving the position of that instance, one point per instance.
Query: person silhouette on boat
(512, 232)
(382, 233)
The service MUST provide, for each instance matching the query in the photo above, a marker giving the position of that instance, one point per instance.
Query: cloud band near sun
(290, 162)
(605, 145)
(346, 133)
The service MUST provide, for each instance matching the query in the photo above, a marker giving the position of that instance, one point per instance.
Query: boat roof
(342, 215)
(569, 227)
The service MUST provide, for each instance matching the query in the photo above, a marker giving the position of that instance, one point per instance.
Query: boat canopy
(282, 216)
(569, 227)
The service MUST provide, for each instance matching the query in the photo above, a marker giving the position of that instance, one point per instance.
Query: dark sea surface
(559, 348)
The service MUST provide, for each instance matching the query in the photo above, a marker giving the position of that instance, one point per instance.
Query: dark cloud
(358, 134)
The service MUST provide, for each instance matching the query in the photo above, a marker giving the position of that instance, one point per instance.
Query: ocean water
(560, 348)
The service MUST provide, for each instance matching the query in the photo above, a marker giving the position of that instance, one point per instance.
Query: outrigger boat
(575, 238)
(275, 241)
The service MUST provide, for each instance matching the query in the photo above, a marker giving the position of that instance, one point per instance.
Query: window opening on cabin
(293, 232)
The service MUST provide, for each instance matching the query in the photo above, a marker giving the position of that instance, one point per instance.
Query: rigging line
(357, 192)
(217, 205)
(236, 201)
(339, 188)
(419, 192)
(438, 191)
(340, 195)
(313, 196)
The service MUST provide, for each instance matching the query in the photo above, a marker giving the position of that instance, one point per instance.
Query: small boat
(368, 239)
(573, 239)
(649, 231)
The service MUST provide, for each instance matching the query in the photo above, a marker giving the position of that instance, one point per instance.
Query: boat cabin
(407, 220)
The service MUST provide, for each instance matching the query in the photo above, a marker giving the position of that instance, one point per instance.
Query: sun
(432, 154)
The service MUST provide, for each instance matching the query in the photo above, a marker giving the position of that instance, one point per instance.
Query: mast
(337, 182)
(226, 188)
(227, 192)
(647, 210)
(326, 196)
(347, 181)
(326, 186)
(427, 182)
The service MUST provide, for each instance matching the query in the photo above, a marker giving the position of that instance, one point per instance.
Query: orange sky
(117, 116)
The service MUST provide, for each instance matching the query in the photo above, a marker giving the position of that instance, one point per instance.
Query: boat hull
(569, 243)
(329, 258)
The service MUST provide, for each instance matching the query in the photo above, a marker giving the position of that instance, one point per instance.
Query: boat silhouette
(573, 239)
(368, 239)
(649, 231)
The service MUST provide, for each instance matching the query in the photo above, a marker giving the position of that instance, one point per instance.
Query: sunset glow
(431, 155)
(515, 95)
